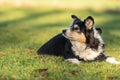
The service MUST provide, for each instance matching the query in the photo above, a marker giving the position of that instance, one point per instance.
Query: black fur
(54, 46)
(91, 40)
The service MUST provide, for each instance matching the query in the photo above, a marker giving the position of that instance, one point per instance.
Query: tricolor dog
(80, 42)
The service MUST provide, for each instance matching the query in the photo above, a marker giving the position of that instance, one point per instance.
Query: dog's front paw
(73, 60)
(112, 60)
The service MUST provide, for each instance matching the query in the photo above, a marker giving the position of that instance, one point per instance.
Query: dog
(82, 41)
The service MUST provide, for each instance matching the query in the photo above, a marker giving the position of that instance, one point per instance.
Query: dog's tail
(112, 60)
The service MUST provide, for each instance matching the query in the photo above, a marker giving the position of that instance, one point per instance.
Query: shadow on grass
(14, 35)
(111, 27)
(29, 16)
(111, 24)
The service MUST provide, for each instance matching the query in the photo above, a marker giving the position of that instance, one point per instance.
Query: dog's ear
(74, 17)
(89, 22)
(99, 30)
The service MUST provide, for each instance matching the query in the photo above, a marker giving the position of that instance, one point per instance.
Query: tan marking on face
(80, 37)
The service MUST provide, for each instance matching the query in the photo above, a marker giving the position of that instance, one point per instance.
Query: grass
(23, 30)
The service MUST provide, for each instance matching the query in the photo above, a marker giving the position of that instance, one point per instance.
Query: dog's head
(78, 29)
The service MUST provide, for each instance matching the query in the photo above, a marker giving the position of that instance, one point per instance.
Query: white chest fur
(78, 47)
(85, 53)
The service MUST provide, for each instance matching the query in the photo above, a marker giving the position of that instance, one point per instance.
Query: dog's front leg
(70, 57)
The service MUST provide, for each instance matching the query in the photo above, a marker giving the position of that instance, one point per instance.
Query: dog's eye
(76, 27)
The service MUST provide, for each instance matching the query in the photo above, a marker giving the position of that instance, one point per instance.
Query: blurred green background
(27, 24)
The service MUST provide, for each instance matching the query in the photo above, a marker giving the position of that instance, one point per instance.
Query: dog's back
(54, 46)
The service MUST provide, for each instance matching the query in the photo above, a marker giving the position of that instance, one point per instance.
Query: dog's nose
(64, 31)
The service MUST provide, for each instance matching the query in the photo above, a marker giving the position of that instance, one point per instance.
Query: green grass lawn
(23, 30)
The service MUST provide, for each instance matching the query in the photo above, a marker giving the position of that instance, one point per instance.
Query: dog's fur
(81, 42)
